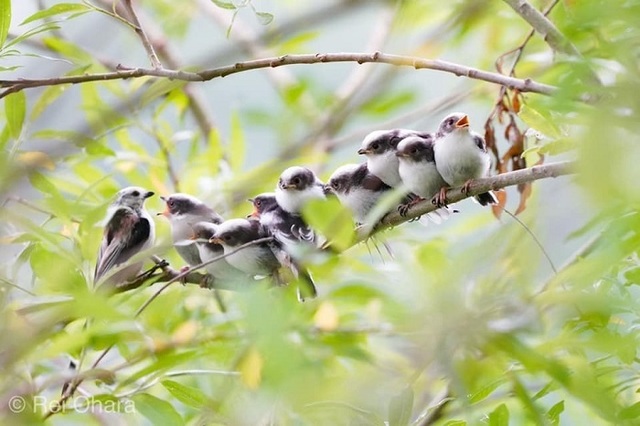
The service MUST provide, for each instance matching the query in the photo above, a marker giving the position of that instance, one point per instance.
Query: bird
(129, 230)
(461, 156)
(357, 189)
(417, 168)
(296, 187)
(292, 239)
(379, 147)
(183, 212)
(220, 269)
(253, 260)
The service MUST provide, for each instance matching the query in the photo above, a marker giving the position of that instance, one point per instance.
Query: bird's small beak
(463, 122)
(401, 154)
(215, 240)
(327, 189)
(363, 151)
(251, 200)
(284, 186)
(149, 194)
(255, 214)
(163, 198)
(166, 213)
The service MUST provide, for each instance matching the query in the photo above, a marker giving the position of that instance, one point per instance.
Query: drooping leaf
(56, 9)
(5, 20)
(264, 18)
(224, 4)
(188, 395)
(554, 413)
(158, 411)
(15, 110)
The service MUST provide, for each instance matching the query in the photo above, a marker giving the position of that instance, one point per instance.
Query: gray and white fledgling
(418, 170)
(461, 155)
(183, 212)
(357, 189)
(380, 149)
(220, 269)
(253, 260)
(291, 237)
(296, 187)
(129, 230)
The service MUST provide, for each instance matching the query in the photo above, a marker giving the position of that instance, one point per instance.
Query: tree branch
(155, 62)
(552, 36)
(522, 85)
(477, 187)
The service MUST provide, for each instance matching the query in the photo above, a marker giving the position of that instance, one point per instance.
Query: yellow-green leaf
(158, 411)
(250, 368)
(5, 20)
(188, 395)
(15, 109)
(56, 10)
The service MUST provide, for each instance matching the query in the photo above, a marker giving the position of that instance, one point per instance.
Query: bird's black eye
(135, 193)
(227, 237)
(450, 122)
(296, 181)
(258, 203)
(171, 203)
(414, 151)
(375, 146)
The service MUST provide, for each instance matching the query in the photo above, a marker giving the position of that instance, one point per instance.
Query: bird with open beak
(183, 212)
(129, 230)
(293, 239)
(379, 147)
(357, 188)
(461, 156)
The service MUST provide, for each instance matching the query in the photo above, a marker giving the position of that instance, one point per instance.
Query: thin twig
(522, 85)
(153, 57)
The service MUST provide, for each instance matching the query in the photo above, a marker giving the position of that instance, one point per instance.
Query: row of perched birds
(423, 164)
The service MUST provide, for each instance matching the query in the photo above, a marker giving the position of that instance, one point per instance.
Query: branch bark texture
(522, 85)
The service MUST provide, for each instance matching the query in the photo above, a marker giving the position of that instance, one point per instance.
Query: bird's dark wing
(306, 286)
(124, 236)
(480, 143)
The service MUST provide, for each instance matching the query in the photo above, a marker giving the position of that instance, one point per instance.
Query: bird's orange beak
(254, 214)
(215, 240)
(463, 122)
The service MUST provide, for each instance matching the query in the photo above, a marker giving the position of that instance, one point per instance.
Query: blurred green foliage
(472, 312)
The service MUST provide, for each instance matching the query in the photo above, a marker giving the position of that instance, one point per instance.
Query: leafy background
(468, 314)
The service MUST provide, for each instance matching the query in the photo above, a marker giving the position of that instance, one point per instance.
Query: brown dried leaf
(525, 193)
(515, 101)
(498, 208)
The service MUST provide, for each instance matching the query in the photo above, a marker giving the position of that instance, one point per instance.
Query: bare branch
(522, 85)
(477, 187)
(155, 62)
(554, 38)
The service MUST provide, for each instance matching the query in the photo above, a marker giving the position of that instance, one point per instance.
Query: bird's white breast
(360, 201)
(294, 201)
(248, 259)
(459, 159)
(421, 178)
(385, 167)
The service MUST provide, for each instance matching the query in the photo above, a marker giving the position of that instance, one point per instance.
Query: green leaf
(159, 88)
(15, 109)
(49, 95)
(539, 122)
(224, 4)
(5, 20)
(68, 50)
(48, 26)
(264, 18)
(554, 413)
(400, 408)
(499, 416)
(332, 220)
(56, 10)
(486, 390)
(236, 144)
(188, 395)
(158, 411)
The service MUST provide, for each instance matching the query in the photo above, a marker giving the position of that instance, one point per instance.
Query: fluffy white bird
(461, 156)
